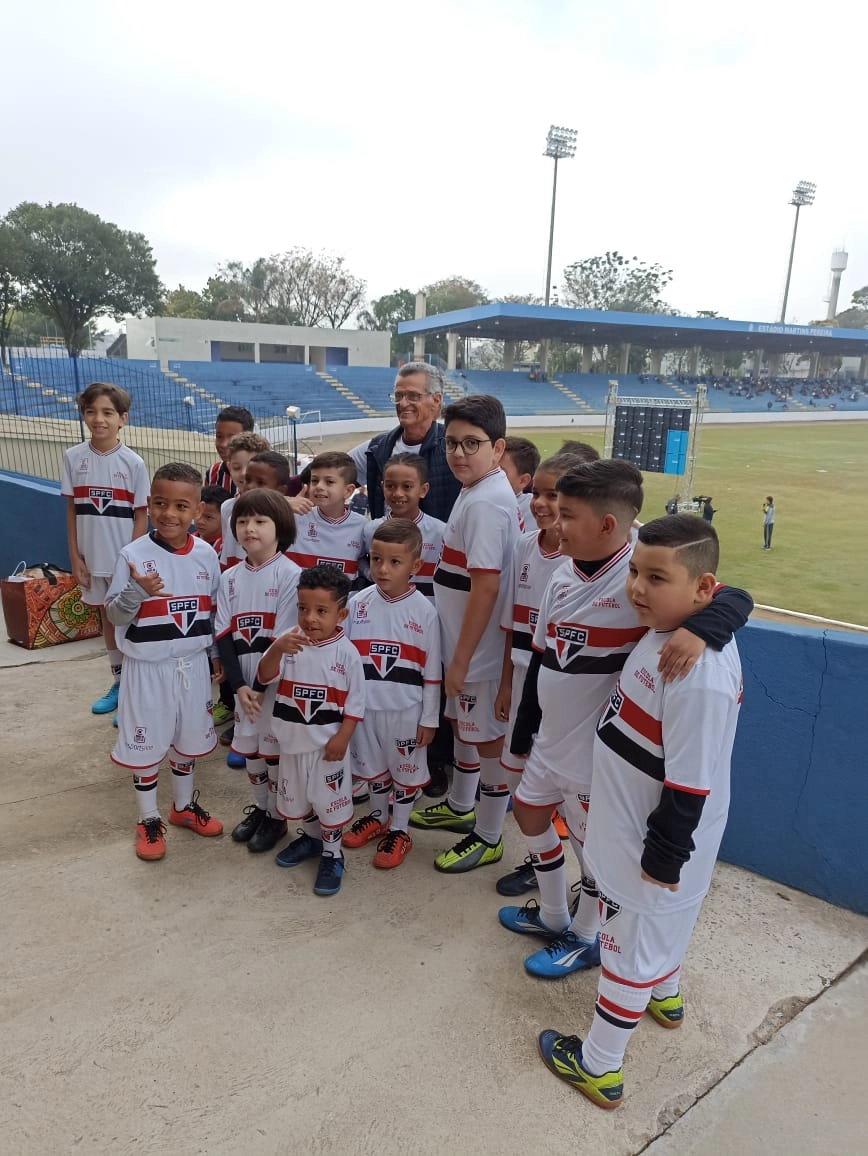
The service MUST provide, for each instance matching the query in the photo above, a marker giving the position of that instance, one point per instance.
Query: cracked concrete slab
(211, 1003)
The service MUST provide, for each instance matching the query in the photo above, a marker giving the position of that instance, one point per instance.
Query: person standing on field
(768, 522)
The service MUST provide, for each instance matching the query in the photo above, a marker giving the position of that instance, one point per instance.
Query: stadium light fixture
(803, 194)
(294, 413)
(560, 146)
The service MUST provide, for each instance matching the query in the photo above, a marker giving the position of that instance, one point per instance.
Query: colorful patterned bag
(42, 606)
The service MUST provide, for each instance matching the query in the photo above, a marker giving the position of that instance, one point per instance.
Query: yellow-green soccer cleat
(563, 1056)
(469, 853)
(669, 1012)
(441, 817)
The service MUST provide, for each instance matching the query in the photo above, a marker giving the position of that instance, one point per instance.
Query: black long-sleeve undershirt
(669, 842)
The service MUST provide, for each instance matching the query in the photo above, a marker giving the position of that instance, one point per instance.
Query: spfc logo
(333, 562)
(569, 641)
(140, 734)
(335, 780)
(532, 618)
(249, 625)
(466, 703)
(308, 699)
(608, 909)
(183, 612)
(100, 498)
(611, 710)
(384, 655)
(405, 747)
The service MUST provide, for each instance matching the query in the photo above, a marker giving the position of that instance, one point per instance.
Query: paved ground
(211, 1003)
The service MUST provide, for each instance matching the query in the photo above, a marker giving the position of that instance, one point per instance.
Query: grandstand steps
(452, 390)
(574, 397)
(676, 388)
(348, 394)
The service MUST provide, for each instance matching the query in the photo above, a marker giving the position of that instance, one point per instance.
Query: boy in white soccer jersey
(241, 449)
(232, 420)
(585, 630)
(106, 487)
(472, 586)
(257, 603)
(161, 599)
(397, 634)
(319, 700)
(520, 461)
(659, 806)
(331, 534)
(404, 485)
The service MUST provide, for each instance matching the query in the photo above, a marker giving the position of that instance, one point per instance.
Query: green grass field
(818, 475)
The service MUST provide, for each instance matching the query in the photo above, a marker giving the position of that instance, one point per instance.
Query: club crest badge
(569, 642)
(383, 656)
(183, 612)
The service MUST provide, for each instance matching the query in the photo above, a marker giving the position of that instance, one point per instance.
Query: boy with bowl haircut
(330, 534)
(241, 449)
(320, 698)
(659, 805)
(161, 600)
(397, 634)
(471, 589)
(232, 420)
(106, 487)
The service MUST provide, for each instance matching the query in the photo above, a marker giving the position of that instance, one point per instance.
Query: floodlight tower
(560, 145)
(803, 194)
(838, 265)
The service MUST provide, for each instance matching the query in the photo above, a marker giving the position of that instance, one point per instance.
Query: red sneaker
(392, 850)
(195, 818)
(150, 843)
(362, 831)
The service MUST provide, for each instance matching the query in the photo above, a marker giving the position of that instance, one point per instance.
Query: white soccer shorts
(545, 789)
(509, 761)
(306, 782)
(256, 739)
(473, 713)
(95, 594)
(385, 742)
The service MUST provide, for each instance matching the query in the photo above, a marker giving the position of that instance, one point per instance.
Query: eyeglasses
(410, 397)
(469, 446)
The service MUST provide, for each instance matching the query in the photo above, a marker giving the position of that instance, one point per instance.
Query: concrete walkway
(211, 1003)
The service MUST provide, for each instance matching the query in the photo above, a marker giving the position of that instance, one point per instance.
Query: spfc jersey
(177, 622)
(481, 534)
(230, 551)
(585, 630)
(316, 689)
(653, 734)
(398, 640)
(531, 570)
(107, 489)
(431, 530)
(256, 604)
(319, 541)
(218, 475)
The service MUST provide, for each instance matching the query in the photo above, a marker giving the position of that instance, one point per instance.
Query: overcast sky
(408, 137)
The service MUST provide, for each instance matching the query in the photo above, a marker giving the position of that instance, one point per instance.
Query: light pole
(803, 194)
(560, 145)
(292, 412)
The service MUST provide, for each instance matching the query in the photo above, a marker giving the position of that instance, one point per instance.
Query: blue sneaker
(563, 1056)
(235, 761)
(329, 875)
(298, 850)
(526, 920)
(563, 956)
(108, 704)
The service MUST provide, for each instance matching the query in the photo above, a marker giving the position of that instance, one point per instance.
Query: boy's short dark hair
(119, 398)
(414, 461)
(278, 462)
(326, 578)
(525, 456)
(771, 500)
(695, 540)
(178, 472)
(249, 442)
(334, 460)
(608, 486)
(267, 504)
(560, 462)
(400, 531)
(239, 414)
(214, 496)
(580, 450)
(480, 409)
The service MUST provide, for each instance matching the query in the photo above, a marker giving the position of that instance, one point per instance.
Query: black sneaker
(329, 875)
(225, 740)
(248, 826)
(439, 784)
(267, 835)
(298, 850)
(519, 881)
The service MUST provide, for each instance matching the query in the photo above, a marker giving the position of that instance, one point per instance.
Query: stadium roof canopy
(653, 330)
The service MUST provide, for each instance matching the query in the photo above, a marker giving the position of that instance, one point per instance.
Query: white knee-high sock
(548, 863)
(586, 921)
(146, 793)
(331, 842)
(618, 1009)
(116, 660)
(493, 801)
(310, 826)
(462, 793)
(182, 782)
(402, 805)
(257, 776)
(667, 987)
(271, 771)
(379, 803)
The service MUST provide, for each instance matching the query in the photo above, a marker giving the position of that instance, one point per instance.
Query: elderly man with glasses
(418, 398)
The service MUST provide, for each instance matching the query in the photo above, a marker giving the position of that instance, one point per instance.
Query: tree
(187, 303)
(385, 314)
(10, 289)
(615, 282)
(445, 296)
(856, 315)
(76, 267)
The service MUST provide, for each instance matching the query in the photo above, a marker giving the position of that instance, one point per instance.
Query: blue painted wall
(32, 523)
(799, 810)
(800, 771)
